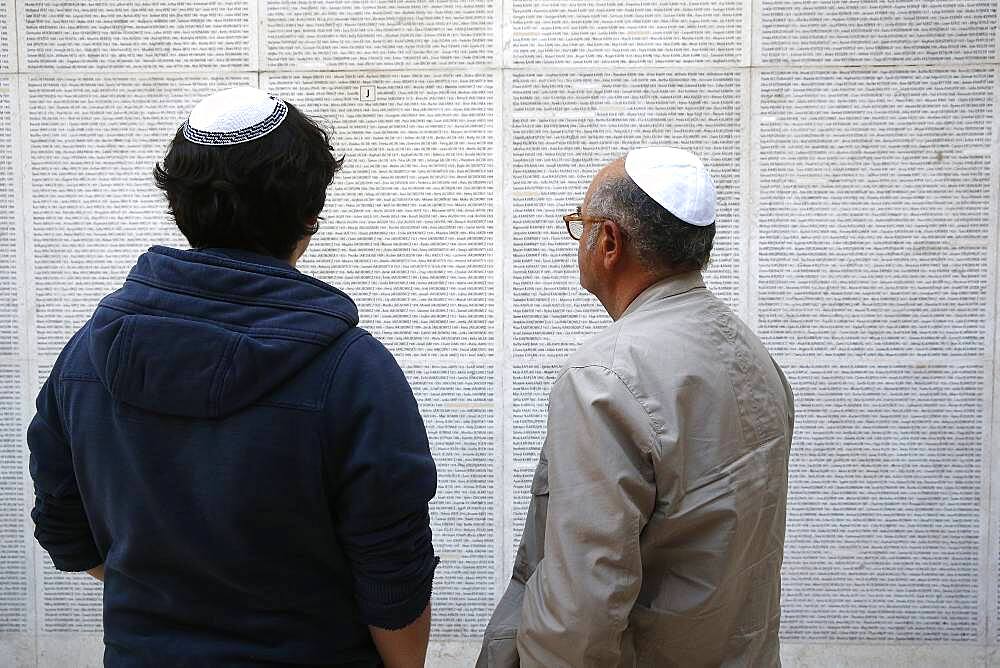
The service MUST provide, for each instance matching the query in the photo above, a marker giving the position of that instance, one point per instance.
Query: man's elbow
(555, 633)
(405, 647)
(65, 535)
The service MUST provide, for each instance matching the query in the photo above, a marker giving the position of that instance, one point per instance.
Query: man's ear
(611, 244)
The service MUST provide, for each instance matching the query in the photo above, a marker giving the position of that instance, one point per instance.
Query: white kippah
(234, 116)
(677, 180)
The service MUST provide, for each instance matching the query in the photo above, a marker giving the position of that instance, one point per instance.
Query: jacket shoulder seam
(651, 423)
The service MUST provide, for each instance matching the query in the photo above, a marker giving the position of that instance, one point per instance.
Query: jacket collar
(667, 287)
(247, 256)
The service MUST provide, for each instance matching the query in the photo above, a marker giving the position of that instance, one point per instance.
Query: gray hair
(660, 240)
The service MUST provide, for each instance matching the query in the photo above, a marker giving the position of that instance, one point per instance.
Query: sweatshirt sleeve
(61, 525)
(383, 478)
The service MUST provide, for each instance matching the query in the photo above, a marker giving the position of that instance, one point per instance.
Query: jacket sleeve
(383, 477)
(61, 525)
(789, 398)
(601, 493)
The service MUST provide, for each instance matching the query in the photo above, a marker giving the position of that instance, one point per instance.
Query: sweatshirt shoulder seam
(338, 358)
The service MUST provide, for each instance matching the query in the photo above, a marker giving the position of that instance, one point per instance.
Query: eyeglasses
(574, 224)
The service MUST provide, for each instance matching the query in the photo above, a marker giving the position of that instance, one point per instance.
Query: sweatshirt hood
(204, 333)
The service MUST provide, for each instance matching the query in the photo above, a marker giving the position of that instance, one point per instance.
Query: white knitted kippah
(677, 180)
(234, 116)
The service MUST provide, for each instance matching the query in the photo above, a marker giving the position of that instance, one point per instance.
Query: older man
(656, 528)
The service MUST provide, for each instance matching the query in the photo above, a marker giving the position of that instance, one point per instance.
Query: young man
(243, 466)
(656, 527)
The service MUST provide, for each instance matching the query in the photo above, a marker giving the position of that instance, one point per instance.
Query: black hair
(261, 195)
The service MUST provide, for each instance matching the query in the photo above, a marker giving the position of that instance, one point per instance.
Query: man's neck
(624, 291)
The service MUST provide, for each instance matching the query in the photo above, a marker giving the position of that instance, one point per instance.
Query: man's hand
(97, 572)
(405, 647)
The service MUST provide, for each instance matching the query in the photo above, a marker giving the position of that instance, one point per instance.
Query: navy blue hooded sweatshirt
(249, 465)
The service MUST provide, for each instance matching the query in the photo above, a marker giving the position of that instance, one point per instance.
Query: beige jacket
(656, 529)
